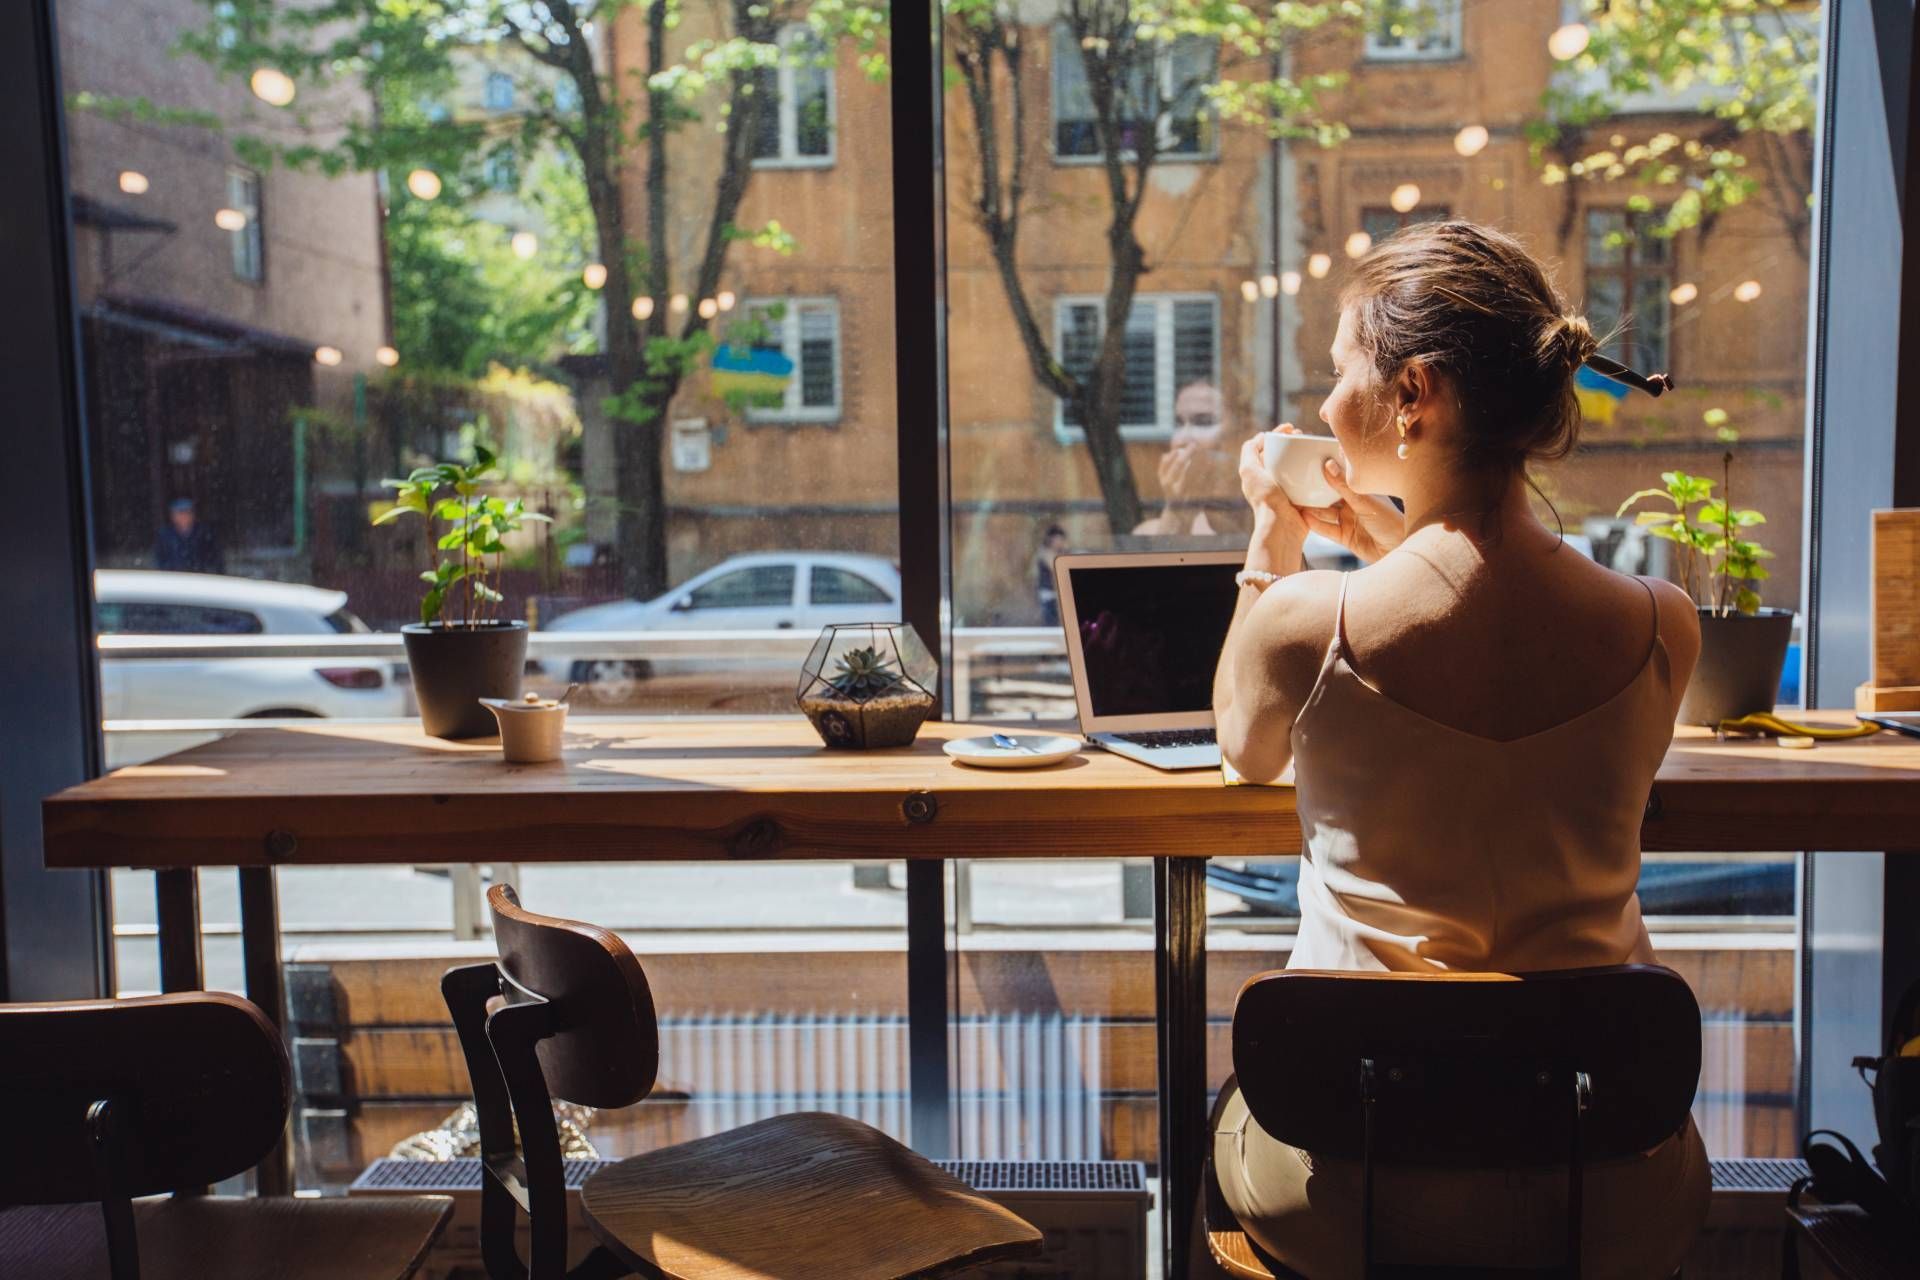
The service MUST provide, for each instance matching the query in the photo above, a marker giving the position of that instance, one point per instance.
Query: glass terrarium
(868, 684)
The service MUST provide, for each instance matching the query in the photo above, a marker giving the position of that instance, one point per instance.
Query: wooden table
(748, 790)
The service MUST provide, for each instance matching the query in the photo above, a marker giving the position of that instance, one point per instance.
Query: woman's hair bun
(1568, 338)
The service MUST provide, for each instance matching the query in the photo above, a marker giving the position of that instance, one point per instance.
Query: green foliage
(1726, 563)
(476, 524)
(862, 674)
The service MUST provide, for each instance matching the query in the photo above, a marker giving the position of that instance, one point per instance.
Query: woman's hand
(1279, 527)
(1363, 524)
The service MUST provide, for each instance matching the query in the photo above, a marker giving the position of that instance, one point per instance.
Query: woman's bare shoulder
(1295, 616)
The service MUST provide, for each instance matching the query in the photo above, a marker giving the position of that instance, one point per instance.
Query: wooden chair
(1468, 1070)
(567, 1014)
(107, 1101)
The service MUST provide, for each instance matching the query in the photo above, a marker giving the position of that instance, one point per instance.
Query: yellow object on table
(1766, 724)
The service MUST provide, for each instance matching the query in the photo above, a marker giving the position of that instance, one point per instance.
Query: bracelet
(1255, 577)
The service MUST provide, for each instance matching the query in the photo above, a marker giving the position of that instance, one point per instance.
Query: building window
(1379, 221)
(795, 125)
(566, 96)
(501, 171)
(1165, 90)
(802, 336)
(498, 95)
(249, 248)
(1629, 275)
(1172, 340)
(1415, 30)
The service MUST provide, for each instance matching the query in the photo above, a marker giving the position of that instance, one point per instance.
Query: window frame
(1062, 38)
(1629, 345)
(1452, 21)
(791, 412)
(248, 244)
(786, 105)
(1163, 339)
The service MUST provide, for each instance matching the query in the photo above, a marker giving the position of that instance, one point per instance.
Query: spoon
(1005, 743)
(562, 700)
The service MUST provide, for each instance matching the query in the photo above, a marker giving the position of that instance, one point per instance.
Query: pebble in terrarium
(863, 697)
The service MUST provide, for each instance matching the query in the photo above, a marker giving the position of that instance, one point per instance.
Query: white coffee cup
(1298, 465)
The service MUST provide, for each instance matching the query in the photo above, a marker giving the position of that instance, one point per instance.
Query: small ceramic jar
(530, 729)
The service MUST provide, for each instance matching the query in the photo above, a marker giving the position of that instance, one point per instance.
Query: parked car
(799, 591)
(141, 602)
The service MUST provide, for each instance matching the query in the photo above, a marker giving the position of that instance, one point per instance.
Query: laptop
(1144, 632)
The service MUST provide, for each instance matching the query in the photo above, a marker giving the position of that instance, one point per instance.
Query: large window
(1161, 90)
(241, 217)
(799, 342)
(794, 128)
(1172, 342)
(1630, 285)
(1415, 30)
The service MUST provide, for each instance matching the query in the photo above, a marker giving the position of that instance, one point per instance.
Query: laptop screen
(1150, 635)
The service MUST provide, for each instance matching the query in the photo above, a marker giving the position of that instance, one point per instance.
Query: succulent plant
(864, 674)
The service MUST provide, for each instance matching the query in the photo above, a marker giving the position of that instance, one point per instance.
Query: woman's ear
(1415, 391)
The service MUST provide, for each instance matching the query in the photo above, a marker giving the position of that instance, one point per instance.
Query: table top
(339, 792)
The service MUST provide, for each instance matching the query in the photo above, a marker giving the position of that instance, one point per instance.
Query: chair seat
(803, 1197)
(1232, 1248)
(230, 1238)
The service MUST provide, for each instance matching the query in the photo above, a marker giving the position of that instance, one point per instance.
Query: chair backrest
(1472, 1067)
(605, 1049)
(197, 1083)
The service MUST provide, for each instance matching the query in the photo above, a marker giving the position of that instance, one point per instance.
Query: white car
(799, 591)
(142, 602)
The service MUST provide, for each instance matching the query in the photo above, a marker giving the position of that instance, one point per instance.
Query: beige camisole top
(1430, 849)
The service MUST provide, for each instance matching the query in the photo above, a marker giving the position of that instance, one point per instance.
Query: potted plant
(1742, 646)
(462, 649)
(867, 684)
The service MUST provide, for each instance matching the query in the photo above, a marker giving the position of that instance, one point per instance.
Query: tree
(1751, 68)
(397, 50)
(1159, 75)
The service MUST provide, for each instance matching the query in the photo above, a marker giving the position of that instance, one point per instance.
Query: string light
(726, 299)
(133, 182)
(1569, 42)
(1318, 266)
(1290, 282)
(1746, 291)
(525, 244)
(642, 308)
(1472, 140)
(1405, 198)
(328, 356)
(594, 275)
(387, 356)
(272, 86)
(1250, 291)
(1358, 243)
(1682, 294)
(709, 308)
(230, 220)
(679, 304)
(1269, 286)
(424, 183)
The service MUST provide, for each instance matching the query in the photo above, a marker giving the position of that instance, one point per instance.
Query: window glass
(1161, 88)
(166, 618)
(795, 124)
(1410, 29)
(1380, 223)
(243, 218)
(1628, 258)
(499, 91)
(797, 342)
(759, 587)
(837, 586)
(1170, 343)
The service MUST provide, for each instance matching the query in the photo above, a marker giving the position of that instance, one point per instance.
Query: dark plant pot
(454, 667)
(1741, 656)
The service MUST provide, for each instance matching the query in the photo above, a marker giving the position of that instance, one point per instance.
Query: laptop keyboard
(1169, 738)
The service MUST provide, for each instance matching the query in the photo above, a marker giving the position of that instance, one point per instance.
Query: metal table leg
(260, 949)
(1180, 986)
(176, 896)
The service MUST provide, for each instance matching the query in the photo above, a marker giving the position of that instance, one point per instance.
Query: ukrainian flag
(1598, 395)
(760, 374)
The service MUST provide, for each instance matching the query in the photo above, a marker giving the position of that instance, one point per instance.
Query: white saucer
(1034, 750)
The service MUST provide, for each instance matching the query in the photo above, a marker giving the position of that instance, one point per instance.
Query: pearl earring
(1403, 451)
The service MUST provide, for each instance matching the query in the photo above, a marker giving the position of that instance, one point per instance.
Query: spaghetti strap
(1653, 600)
(1339, 640)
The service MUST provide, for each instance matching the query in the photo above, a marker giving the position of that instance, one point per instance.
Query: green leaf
(1643, 493)
(1746, 601)
(430, 604)
(451, 540)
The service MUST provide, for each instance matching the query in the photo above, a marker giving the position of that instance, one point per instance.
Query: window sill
(1129, 157)
(821, 418)
(794, 162)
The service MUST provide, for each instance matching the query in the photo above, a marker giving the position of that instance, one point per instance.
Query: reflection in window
(765, 586)
(839, 586)
(498, 95)
(795, 123)
(1172, 340)
(1164, 90)
(802, 337)
(1629, 274)
(243, 197)
(168, 618)
(1409, 30)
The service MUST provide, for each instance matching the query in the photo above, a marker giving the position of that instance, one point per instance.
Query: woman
(1474, 722)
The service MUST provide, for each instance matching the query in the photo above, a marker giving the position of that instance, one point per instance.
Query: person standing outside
(185, 545)
(1052, 543)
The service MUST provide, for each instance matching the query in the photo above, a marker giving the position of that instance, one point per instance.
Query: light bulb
(272, 86)
(424, 183)
(1569, 41)
(133, 182)
(1472, 140)
(593, 275)
(726, 299)
(1269, 286)
(1250, 291)
(229, 219)
(1405, 198)
(678, 305)
(1318, 266)
(1682, 294)
(1746, 291)
(709, 308)
(642, 308)
(525, 244)
(1289, 282)
(1358, 243)
(328, 356)
(387, 356)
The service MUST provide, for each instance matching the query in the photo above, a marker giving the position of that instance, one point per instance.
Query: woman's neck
(1485, 505)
